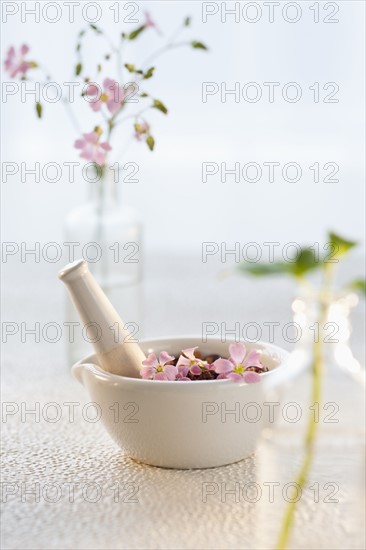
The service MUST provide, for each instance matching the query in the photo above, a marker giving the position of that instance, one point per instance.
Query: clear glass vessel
(335, 485)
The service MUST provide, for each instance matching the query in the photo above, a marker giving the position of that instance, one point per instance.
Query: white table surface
(169, 512)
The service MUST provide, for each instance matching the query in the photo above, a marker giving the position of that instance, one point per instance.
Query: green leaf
(95, 28)
(78, 69)
(160, 106)
(198, 45)
(150, 142)
(134, 34)
(306, 261)
(144, 94)
(262, 269)
(187, 22)
(39, 109)
(149, 73)
(340, 245)
(359, 285)
(130, 67)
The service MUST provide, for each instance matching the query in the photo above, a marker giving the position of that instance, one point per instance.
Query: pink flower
(183, 369)
(235, 367)
(155, 369)
(92, 149)
(15, 63)
(149, 22)
(113, 95)
(188, 362)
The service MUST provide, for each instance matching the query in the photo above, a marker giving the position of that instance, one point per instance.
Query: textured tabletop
(66, 485)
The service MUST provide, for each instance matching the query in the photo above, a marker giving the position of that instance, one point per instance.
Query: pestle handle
(117, 354)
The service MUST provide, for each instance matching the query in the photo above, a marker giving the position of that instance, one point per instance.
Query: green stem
(101, 192)
(163, 49)
(312, 427)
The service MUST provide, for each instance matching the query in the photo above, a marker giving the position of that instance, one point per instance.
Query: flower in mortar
(91, 147)
(158, 369)
(188, 362)
(112, 94)
(236, 366)
(15, 62)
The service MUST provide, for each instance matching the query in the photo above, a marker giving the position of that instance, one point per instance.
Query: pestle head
(73, 270)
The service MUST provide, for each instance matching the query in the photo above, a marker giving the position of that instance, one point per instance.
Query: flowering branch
(110, 98)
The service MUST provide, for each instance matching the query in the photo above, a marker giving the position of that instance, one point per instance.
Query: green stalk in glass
(305, 263)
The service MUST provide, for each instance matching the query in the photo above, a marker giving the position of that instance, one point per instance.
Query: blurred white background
(179, 210)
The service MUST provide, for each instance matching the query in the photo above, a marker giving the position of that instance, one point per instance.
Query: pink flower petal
(164, 357)
(79, 143)
(253, 359)
(24, 49)
(109, 83)
(235, 377)
(160, 376)
(105, 145)
(237, 352)
(223, 366)
(190, 353)
(251, 377)
(99, 157)
(151, 361)
(91, 137)
(195, 369)
(147, 373)
(113, 106)
(87, 154)
(93, 90)
(96, 105)
(183, 379)
(149, 23)
(222, 376)
(183, 362)
(11, 52)
(182, 370)
(14, 72)
(23, 67)
(170, 372)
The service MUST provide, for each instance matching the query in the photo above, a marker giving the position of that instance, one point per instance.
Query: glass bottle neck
(103, 190)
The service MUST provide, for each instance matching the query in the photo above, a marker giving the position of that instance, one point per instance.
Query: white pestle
(116, 353)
